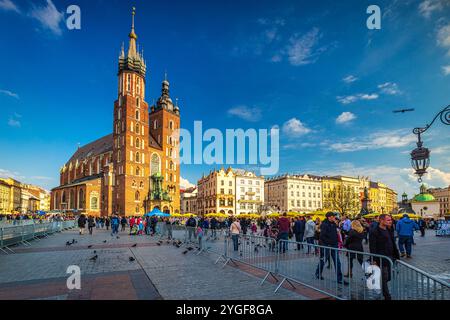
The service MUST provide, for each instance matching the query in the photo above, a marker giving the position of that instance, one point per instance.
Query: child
(199, 234)
(273, 235)
(141, 227)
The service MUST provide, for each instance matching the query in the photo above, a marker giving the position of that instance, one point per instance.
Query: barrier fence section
(416, 284)
(339, 273)
(23, 234)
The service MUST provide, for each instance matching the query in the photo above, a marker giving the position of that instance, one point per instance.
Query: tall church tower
(130, 133)
(164, 128)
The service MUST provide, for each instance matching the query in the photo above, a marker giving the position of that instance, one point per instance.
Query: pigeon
(68, 243)
(185, 251)
(256, 249)
(73, 241)
(90, 246)
(190, 248)
(178, 245)
(134, 245)
(104, 241)
(168, 241)
(158, 243)
(94, 258)
(95, 251)
(131, 259)
(117, 237)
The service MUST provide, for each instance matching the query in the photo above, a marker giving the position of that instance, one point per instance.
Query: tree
(343, 199)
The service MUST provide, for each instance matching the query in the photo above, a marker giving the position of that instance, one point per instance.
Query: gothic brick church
(134, 169)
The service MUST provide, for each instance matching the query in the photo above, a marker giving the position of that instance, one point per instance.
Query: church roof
(424, 197)
(94, 148)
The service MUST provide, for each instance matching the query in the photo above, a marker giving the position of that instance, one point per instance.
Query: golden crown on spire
(132, 34)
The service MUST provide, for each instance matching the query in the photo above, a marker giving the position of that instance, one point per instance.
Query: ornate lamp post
(420, 157)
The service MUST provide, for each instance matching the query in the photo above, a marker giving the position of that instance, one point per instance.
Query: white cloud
(8, 5)
(357, 97)
(9, 93)
(49, 17)
(246, 113)
(427, 7)
(378, 140)
(14, 123)
(390, 88)
(184, 183)
(446, 70)
(345, 117)
(295, 128)
(349, 79)
(443, 37)
(302, 48)
(4, 173)
(437, 178)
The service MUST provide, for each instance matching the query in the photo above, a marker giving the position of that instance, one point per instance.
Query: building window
(141, 184)
(94, 201)
(137, 157)
(128, 82)
(138, 171)
(154, 164)
(137, 196)
(137, 100)
(171, 125)
(155, 124)
(137, 143)
(137, 128)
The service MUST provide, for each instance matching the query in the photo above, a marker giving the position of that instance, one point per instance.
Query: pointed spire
(132, 36)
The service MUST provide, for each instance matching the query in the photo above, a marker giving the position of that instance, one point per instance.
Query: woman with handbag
(354, 242)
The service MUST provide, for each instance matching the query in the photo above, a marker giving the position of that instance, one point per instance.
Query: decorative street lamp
(420, 157)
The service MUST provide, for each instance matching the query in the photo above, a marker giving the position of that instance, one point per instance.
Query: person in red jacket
(284, 226)
(132, 222)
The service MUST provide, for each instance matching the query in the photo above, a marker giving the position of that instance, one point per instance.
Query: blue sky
(309, 67)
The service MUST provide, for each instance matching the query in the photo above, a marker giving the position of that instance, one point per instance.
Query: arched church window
(138, 171)
(137, 115)
(138, 102)
(171, 125)
(141, 185)
(137, 157)
(137, 128)
(137, 143)
(133, 184)
(129, 82)
(155, 124)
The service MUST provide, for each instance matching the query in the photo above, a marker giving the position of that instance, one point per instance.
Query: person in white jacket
(310, 228)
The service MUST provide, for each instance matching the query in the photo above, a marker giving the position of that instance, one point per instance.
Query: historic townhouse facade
(249, 192)
(188, 200)
(301, 193)
(442, 195)
(216, 192)
(135, 168)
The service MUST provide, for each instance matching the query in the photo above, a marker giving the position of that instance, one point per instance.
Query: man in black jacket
(329, 238)
(381, 241)
(299, 231)
(190, 225)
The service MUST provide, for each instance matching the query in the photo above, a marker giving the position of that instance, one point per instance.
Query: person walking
(190, 225)
(81, 223)
(422, 225)
(353, 242)
(405, 229)
(284, 226)
(107, 223)
(131, 223)
(214, 225)
(329, 238)
(381, 242)
(169, 223)
(199, 234)
(123, 222)
(299, 231)
(91, 224)
(235, 229)
(115, 221)
(310, 228)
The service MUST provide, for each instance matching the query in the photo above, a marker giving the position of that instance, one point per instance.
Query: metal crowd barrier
(416, 284)
(23, 234)
(323, 268)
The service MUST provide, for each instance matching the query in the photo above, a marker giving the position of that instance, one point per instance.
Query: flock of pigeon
(176, 243)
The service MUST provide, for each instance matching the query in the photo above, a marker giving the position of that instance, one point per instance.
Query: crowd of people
(323, 237)
(17, 219)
